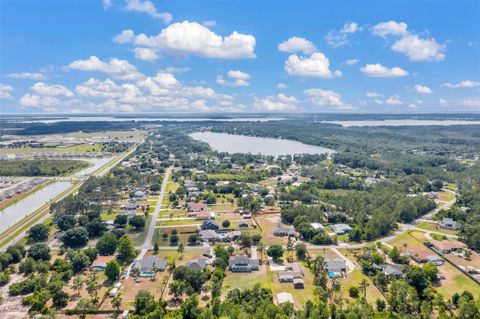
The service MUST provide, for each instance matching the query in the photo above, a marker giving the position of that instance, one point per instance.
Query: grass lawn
(434, 227)
(455, 281)
(139, 237)
(445, 196)
(268, 223)
(409, 239)
(80, 148)
(244, 280)
(300, 296)
(355, 278)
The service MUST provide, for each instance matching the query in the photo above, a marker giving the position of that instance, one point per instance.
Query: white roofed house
(341, 229)
(149, 265)
(448, 223)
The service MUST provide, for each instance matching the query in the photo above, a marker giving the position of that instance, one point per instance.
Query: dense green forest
(40, 167)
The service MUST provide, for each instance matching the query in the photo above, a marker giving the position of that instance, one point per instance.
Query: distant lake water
(408, 122)
(142, 119)
(230, 143)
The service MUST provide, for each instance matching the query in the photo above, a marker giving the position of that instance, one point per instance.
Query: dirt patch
(11, 307)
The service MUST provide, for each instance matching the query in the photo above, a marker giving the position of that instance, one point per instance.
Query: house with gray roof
(241, 263)
(283, 231)
(336, 266)
(148, 265)
(208, 235)
(199, 263)
(391, 270)
(341, 229)
(210, 224)
(448, 223)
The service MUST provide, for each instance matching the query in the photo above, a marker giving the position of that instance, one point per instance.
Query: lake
(142, 119)
(230, 143)
(407, 122)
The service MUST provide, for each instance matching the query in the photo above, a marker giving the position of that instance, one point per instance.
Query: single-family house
(210, 224)
(419, 254)
(446, 247)
(148, 265)
(435, 259)
(208, 235)
(284, 297)
(284, 231)
(241, 263)
(392, 270)
(341, 229)
(317, 226)
(448, 223)
(196, 207)
(335, 266)
(139, 194)
(100, 263)
(199, 263)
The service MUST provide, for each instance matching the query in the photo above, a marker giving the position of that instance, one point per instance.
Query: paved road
(151, 231)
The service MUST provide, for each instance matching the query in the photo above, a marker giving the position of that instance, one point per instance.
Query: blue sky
(239, 56)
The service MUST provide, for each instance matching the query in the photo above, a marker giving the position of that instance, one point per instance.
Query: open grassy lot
(327, 253)
(244, 280)
(138, 237)
(435, 227)
(267, 224)
(109, 134)
(445, 196)
(408, 239)
(455, 282)
(80, 148)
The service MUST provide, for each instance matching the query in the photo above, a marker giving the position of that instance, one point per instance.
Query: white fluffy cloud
(162, 91)
(418, 49)
(186, 38)
(51, 90)
(148, 8)
(145, 54)
(238, 78)
(352, 61)
(5, 92)
(282, 86)
(394, 100)
(412, 106)
(423, 89)
(462, 84)
(33, 100)
(339, 38)
(380, 71)
(319, 97)
(414, 47)
(373, 94)
(390, 28)
(316, 65)
(281, 102)
(27, 75)
(118, 69)
(297, 44)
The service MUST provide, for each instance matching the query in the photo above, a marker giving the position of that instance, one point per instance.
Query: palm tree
(77, 284)
(261, 248)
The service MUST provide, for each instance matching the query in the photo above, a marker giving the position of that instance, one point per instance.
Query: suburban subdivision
(239, 218)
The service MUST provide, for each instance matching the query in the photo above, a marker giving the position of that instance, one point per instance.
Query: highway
(18, 231)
